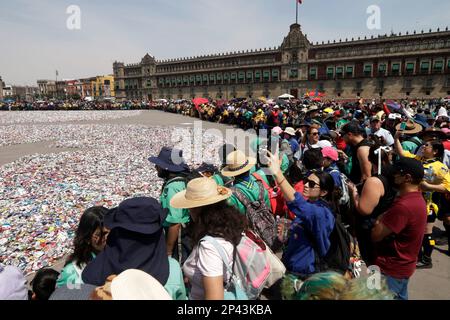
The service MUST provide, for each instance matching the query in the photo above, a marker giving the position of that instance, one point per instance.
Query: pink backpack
(252, 266)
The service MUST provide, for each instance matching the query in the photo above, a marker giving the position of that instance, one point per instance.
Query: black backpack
(338, 257)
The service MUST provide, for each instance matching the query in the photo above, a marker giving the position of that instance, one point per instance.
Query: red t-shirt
(446, 144)
(397, 254)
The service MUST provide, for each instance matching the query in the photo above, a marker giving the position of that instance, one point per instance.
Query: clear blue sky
(36, 42)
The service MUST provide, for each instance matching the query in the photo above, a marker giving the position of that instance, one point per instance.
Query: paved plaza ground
(425, 284)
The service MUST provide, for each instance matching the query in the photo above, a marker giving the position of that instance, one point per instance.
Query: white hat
(442, 113)
(137, 285)
(290, 131)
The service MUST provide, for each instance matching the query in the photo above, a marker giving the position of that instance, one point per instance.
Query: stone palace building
(414, 65)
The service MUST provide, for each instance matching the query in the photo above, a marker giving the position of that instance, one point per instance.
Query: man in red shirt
(399, 232)
(446, 142)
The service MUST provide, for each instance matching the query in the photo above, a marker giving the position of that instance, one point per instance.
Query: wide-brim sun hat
(166, 158)
(200, 192)
(142, 215)
(411, 127)
(135, 284)
(290, 131)
(237, 164)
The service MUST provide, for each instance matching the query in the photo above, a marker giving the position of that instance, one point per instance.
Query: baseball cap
(330, 152)
(410, 166)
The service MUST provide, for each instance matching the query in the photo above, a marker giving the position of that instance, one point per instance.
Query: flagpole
(296, 11)
(56, 84)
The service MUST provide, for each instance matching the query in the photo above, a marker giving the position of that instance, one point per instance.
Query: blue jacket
(318, 219)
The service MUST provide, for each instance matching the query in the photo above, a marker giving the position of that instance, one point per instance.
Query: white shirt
(205, 261)
(388, 138)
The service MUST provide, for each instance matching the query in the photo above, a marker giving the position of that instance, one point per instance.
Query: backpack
(233, 288)
(416, 142)
(338, 256)
(252, 265)
(277, 202)
(344, 200)
(260, 217)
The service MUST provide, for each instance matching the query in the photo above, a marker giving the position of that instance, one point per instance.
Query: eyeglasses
(310, 184)
(314, 133)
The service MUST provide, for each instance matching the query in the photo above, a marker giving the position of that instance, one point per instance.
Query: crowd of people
(335, 189)
(69, 104)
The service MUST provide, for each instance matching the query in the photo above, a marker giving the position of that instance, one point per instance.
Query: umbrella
(198, 101)
(286, 96)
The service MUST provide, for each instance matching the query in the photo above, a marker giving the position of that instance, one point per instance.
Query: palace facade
(396, 66)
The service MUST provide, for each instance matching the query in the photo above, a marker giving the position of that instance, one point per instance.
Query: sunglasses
(314, 133)
(311, 184)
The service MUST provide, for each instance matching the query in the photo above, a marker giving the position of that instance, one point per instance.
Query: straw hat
(237, 164)
(411, 127)
(200, 192)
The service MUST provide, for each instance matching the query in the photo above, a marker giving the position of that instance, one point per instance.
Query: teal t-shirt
(174, 216)
(71, 274)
